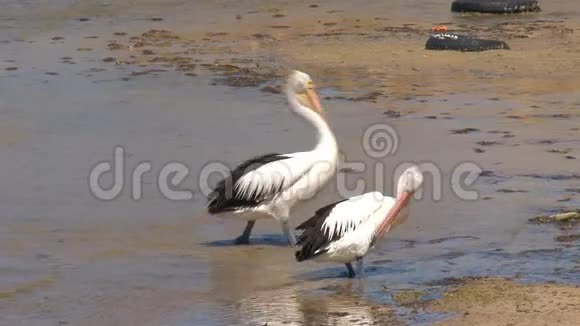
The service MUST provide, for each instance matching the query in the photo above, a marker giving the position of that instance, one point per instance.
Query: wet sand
(170, 82)
(480, 301)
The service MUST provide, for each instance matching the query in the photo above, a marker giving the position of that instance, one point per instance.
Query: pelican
(269, 185)
(344, 231)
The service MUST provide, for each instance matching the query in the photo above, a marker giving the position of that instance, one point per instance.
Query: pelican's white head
(410, 181)
(301, 87)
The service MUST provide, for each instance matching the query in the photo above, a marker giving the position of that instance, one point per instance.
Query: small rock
(11, 68)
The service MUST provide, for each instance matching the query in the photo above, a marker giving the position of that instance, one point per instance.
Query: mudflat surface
(174, 81)
(481, 301)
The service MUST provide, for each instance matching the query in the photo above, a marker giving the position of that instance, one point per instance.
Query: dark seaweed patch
(464, 131)
(507, 191)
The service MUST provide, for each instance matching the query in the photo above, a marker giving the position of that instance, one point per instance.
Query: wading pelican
(345, 231)
(269, 185)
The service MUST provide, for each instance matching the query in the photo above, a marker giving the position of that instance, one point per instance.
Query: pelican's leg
(289, 235)
(359, 268)
(244, 238)
(350, 270)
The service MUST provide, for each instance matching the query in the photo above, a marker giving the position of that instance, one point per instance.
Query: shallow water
(67, 257)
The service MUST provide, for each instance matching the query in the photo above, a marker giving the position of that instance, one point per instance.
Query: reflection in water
(341, 305)
(257, 285)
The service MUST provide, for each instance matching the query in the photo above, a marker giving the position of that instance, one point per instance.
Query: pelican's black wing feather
(314, 236)
(223, 198)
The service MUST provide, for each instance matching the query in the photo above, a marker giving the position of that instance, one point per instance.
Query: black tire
(495, 6)
(448, 41)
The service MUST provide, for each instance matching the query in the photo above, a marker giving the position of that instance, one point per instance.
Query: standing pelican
(269, 185)
(345, 231)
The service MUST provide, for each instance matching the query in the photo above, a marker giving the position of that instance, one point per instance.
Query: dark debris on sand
(464, 131)
(566, 219)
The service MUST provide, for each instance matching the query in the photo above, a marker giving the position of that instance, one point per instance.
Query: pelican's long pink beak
(314, 101)
(401, 201)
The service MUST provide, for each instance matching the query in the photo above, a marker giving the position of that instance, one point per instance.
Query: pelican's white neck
(324, 135)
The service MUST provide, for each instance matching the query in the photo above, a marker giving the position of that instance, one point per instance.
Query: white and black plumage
(269, 185)
(345, 231)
